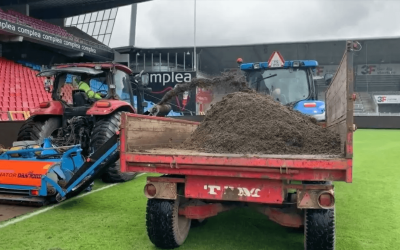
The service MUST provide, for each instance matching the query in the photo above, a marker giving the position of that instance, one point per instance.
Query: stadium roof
(49, 9)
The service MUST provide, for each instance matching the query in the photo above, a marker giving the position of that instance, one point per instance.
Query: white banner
(387, 99)
(378, 69)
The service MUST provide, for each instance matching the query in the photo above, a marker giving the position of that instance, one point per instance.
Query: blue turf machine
(32, 174)
(289, 82)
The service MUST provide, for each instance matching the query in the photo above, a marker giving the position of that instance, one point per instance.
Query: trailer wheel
(103, 130)
(38, 128)
(165, 228)
(319, 229)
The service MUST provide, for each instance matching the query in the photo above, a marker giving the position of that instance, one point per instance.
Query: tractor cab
(107, 82)
(288, 82)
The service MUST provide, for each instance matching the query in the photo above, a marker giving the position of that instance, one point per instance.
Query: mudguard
(112, 106)
(54, 108)
(318, 112)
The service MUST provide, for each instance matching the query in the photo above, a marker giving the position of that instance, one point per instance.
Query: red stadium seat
(4, 117)
(19, 116)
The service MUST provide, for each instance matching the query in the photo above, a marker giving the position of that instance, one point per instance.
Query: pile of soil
(247, 122)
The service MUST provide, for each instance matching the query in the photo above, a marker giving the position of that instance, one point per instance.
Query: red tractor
(71, 117)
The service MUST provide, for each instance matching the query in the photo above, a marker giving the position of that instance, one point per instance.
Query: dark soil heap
(250, 123)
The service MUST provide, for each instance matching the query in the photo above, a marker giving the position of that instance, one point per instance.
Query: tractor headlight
(256, 66)
(296, 64)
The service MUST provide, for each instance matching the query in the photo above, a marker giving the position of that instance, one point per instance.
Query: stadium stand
(358, 105)
(20, 90)
(30, 65)
(18, 18)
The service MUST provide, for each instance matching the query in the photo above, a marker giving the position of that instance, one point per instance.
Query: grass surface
(367, 214)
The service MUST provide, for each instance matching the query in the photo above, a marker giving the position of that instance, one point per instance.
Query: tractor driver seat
(79, 98)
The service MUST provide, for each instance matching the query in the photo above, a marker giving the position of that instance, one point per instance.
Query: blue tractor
(289, 82)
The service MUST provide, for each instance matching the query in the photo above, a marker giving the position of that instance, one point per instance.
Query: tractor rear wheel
(103, 130)
(37, 128)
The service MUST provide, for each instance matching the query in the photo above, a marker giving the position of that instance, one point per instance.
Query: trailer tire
(319, 229)
(165, 228)
(103, 130)
(38, 128)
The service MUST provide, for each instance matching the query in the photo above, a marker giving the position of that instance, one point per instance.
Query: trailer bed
(185, 152)
(275, 167)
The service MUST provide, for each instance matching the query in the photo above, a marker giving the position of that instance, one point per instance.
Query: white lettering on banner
(170, 77)
(165, 80)
(187, 78)
(72, 44)
(155, 77)
(29, 32)
(16, 28)
(52, 39)
(6, 25)
(88, 49)
(179, 76)
(254, 192)
(387, 99)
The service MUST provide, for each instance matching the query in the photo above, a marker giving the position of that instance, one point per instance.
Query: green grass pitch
(367, 210)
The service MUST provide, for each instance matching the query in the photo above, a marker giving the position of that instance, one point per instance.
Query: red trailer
(292, 190)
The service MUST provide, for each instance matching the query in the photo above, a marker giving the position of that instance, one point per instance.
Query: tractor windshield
(284, 85)
(121, 80)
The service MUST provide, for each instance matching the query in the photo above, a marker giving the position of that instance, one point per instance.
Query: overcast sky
(170, 23)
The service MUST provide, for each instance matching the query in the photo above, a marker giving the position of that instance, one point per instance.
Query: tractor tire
(165, 228)
(103, 130)
(319, 229)
(38, 128)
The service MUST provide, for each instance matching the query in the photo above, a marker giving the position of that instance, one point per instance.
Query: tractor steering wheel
(102, 92)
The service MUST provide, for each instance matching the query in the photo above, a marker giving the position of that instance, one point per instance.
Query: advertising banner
(170, 78)
(387, 99)
(162, 82)
(378, 69)
(204, 96)
(48, 38)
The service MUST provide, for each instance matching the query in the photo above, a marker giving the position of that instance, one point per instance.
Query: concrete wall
(9, 132)
(377, 122)
(121, 58)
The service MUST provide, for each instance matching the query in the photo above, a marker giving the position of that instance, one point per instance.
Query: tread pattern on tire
(319, 226)
(38, 128)
(162, 223)
(103, 130)
(319, 229)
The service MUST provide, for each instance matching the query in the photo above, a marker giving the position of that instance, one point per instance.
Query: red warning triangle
(276, 60)
(305, 201)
